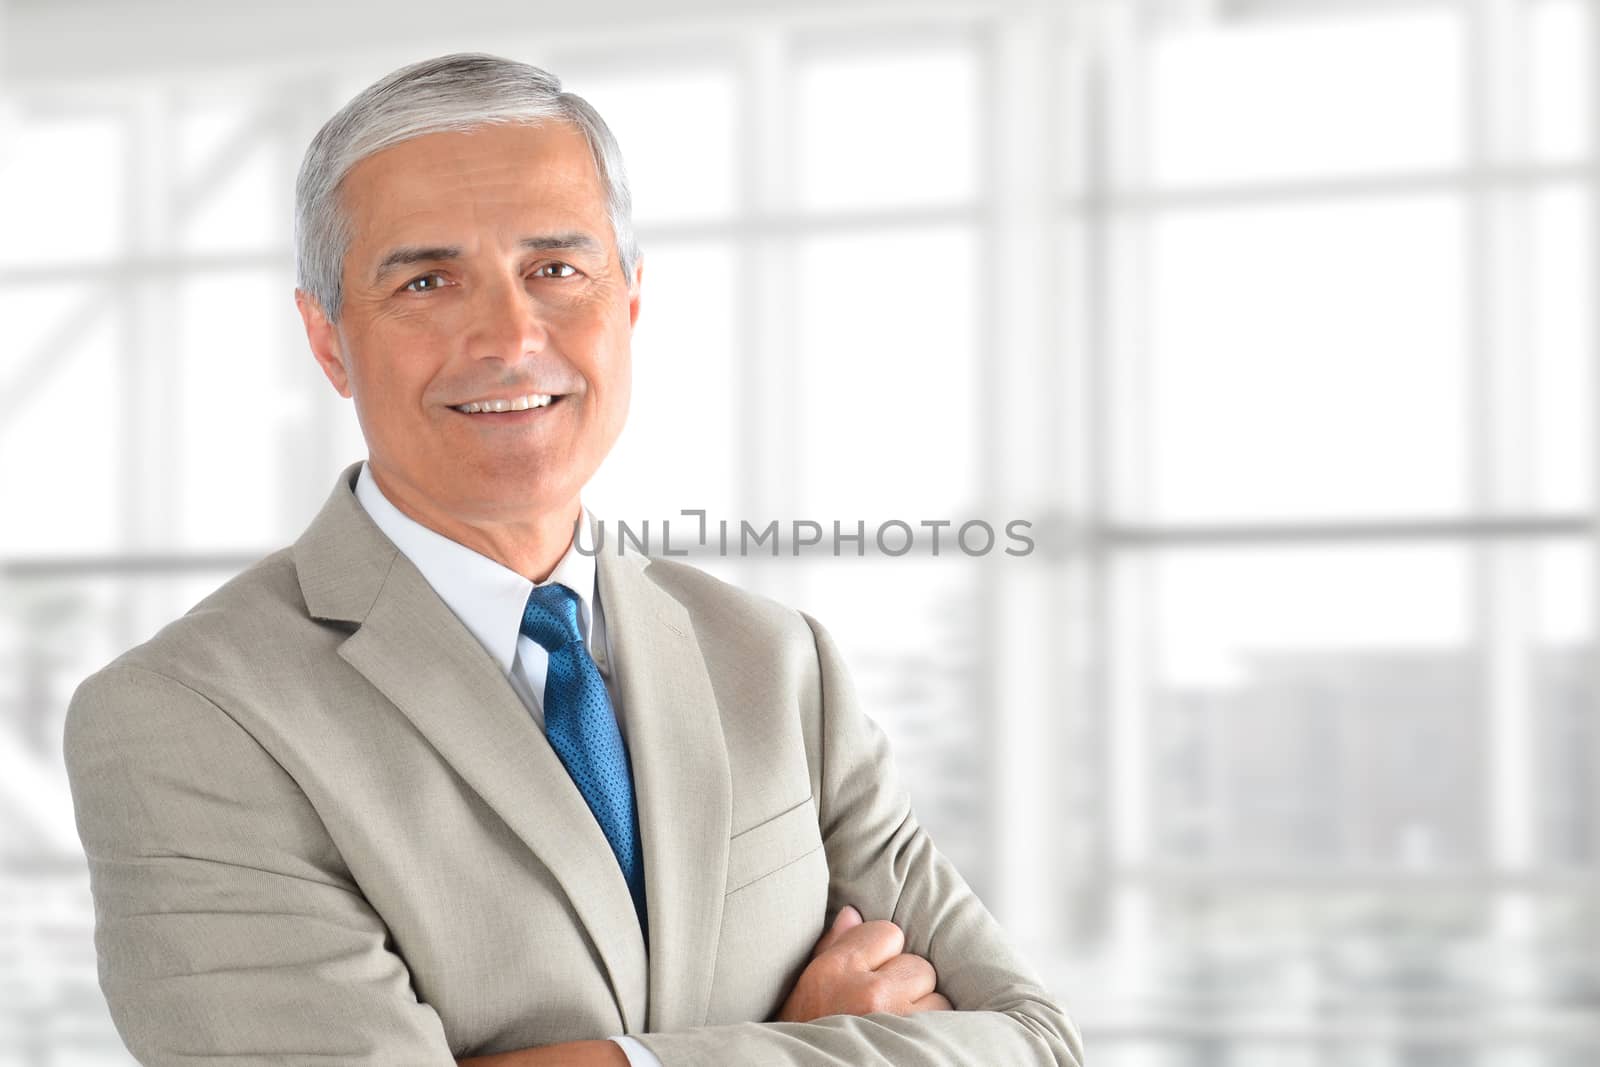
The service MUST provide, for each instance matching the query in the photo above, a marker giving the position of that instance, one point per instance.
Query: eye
(424, 284)
(567, 270)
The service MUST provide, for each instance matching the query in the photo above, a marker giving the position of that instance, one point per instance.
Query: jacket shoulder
(237, 636)
(719, 605)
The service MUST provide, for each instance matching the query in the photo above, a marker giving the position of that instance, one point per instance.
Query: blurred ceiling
(89, 40)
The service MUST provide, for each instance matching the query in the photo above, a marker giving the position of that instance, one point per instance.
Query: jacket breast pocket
(770, 846)
(777, 894)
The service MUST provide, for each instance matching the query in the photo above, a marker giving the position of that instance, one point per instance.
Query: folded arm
(881, 862)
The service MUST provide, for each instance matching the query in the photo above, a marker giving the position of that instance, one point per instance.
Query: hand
(858, 968)
(569, 1054)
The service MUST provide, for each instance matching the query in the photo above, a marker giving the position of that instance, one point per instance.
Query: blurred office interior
(1276, 318)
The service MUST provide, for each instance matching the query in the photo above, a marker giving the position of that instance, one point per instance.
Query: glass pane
(677, 132)
(1281, 99)
(1362, 977)
(1560, 65)
(1306, 360)
(1562, 284)
(1566, 960)
(1312, 706)
(235, 331)
(677, 449)
(53, 633)
(63, 189)
(1563, 675)
(910, 636)
(891, 129)
(61, 420)
(888, 371)
(234, 191)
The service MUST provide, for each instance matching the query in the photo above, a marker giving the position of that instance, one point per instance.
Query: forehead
(542, 172)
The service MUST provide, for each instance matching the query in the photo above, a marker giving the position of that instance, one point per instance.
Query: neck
(530, 542)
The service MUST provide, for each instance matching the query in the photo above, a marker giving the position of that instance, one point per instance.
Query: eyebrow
(406, 255)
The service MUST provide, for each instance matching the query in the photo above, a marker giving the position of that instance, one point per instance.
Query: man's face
(482, 268)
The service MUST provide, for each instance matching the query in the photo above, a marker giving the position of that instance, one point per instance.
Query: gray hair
(450, 93)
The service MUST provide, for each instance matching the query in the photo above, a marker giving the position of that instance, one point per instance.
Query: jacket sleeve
(226, 925)
(881, 861)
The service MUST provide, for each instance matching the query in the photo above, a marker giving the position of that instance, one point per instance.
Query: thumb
(847, 919)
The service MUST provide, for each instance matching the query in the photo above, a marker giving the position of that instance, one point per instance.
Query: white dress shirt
(489, 599)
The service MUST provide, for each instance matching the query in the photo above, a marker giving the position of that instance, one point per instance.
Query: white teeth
(521, 403)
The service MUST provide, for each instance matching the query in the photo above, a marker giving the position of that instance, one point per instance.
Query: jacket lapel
(416, 652)
(681, 784)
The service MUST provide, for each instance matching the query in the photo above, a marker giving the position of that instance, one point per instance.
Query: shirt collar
(488, 597)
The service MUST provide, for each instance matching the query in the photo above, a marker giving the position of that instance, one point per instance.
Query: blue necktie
(582, 728)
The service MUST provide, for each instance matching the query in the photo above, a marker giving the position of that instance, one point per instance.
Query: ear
(324, 339)
(633, 292)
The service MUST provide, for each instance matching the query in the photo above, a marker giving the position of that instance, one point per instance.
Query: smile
(518, 403)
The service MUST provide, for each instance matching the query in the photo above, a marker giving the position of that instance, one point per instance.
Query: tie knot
(551, 617)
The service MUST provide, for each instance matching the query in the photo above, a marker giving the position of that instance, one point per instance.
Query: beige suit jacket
(321, 827)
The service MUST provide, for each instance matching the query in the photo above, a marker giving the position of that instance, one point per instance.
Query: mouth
(529, 411)
(508, 404)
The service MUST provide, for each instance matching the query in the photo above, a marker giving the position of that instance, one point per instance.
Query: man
(433, 782)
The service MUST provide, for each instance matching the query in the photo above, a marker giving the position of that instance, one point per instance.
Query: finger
(911, 976)
(847, 919)
(870, 945)
(931, 1002)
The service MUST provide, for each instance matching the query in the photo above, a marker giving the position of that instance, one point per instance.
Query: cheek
(614, 373)
(402, 355)
(599, 349)
(623, 385)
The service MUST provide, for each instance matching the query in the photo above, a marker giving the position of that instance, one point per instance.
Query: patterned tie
(582, 729)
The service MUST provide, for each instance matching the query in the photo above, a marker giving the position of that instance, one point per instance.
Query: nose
(507, 323)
